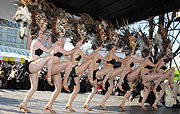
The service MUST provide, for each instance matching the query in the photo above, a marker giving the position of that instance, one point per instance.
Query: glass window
(0, 37)
(27, 53)
(22, 51)
(14, 50)
(11, 38)
(15, 31)
(18, 25)
(6, 50)
(51, 44)
(2, 50)
(7, 38)
(8, 30)
(12, 31)
(19, 52)
(45, 43)
(10, 50)
(1, 29)
(15, 38)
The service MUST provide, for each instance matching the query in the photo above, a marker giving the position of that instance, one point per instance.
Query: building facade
(9, 35)
(45, 41)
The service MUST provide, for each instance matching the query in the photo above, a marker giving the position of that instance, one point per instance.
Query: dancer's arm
(151, 64)
(102, 58)
(116, 57)
(42, 47)
(66, 57)
(61, 50)
(104, 63)
(86, 56)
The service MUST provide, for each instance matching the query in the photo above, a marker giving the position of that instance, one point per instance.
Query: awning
(12, 57)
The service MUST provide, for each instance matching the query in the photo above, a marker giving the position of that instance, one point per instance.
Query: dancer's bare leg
(108, 93)
(159, 96)
(122, 78)
(168, 73)
(57, 82)
(105, 71)
(126, 96)
(151, 77)
(134, 74)
(34, 85)
(73, 94)
(66, 75)
(89, 64)
(49, 69)
(147, 91)
(57, 67)
(91, 95)
(37, 65)
(115, 72)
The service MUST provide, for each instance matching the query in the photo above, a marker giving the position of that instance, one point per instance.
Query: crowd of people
(9, 80)
(116, 76)
(9, 72)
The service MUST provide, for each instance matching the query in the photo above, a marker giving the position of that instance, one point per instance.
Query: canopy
(133, 10)
(12, 57)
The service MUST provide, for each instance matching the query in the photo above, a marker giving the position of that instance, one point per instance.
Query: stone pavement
(10, 100)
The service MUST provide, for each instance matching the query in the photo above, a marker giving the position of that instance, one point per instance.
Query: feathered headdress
(60, 23)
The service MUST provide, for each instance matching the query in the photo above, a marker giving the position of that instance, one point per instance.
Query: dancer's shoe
(87, 107)
(70, 109)
(143, 107)
(22, 106)
(123, 107)
(103, 107)
(50, 109)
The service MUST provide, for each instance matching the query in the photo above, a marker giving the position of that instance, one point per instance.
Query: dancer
(78, 69)
(131, 76)
(111, 63)
(57, 67)
(112, 60)
(160, 69)
(97, 72)
(128, 63)
(35, 64)
(160, 81)
(148, 77)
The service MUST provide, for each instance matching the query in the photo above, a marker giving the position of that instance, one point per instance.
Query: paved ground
(10, 99)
